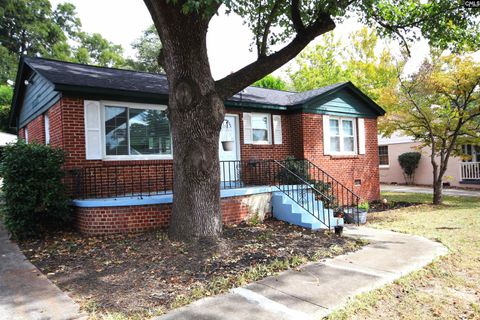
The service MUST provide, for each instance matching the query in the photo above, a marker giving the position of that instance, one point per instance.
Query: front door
(229, 152)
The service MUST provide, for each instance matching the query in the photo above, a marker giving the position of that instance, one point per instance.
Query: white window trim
(105, 103)
(25, 133)
(269, 128)
(46, 123)
(384, 166)
(355, 137)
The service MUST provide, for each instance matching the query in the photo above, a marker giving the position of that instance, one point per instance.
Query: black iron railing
(308, 185)
(334, 195)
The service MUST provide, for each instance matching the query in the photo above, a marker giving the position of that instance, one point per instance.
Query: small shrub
(409, 162)
(364, 205)
(298, 167)
(35, 199)
(327, 196)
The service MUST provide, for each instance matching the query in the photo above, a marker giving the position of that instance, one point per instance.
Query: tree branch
(262, 48)
(296, 17)
(242, 78)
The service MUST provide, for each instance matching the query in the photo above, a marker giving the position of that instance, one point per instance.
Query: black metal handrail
(338, 196)
(303, 192)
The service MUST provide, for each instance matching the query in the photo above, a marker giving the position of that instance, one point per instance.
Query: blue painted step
(286, 209)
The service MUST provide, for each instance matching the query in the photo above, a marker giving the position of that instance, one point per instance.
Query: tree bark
(437, 191)
(195, 112)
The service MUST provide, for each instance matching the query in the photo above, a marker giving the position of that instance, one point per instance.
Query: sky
(228, 40)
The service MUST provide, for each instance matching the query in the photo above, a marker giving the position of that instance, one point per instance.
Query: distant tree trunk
(437, 191)
(196, 113)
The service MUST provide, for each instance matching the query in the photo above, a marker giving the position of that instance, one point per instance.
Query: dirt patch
(138, 272)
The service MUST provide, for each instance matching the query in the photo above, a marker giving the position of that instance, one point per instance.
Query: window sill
(384, 166)
(137, 158)
(344, 156)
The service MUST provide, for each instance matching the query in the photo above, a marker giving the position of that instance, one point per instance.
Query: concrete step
(286, 209)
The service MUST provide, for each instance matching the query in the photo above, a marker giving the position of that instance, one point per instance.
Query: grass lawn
(449, 288)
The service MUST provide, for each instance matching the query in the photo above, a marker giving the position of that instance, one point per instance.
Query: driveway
(429, 190)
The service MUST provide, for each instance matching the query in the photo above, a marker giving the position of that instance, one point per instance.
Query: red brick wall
(346, 169)
(36, 130)
(302, 137)
(110, 220)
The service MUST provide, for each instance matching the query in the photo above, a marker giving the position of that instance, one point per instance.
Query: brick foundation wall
(111, 220)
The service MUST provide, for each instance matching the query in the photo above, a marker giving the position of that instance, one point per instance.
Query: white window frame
(46, 123)
(388, 157)
(355, 137)
(25, 133)
(269, 128)
(132, 105)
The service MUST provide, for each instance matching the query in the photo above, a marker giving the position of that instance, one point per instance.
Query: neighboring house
(460, 173)
(113, 125)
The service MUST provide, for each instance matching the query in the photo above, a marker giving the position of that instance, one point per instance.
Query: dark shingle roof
(73, 75)
(66, 73)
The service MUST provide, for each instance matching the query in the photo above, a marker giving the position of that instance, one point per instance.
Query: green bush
(409, 163)
(35, 199)
(298, 167)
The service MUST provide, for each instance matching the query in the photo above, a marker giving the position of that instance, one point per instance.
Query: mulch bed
(137, 272)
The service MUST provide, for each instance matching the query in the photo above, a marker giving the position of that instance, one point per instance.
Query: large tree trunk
(196, 113)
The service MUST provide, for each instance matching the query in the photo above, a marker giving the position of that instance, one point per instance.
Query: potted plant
(338, 228)
(358, 216)
(227, 145)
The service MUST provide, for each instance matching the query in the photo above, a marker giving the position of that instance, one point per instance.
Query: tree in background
(33, 28)
(148, 46)
(439, 107)
(271, 82)
(6, 93)
(332, 61)
(196, 101)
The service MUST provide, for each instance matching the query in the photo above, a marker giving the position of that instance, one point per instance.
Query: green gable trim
(251, 105)
(343, 102)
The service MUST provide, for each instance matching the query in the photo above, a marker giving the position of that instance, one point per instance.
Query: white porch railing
(470, 170)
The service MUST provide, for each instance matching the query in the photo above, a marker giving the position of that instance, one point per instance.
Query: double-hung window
(136, 131)
(261, 128)
(383, 156)
(342, 136)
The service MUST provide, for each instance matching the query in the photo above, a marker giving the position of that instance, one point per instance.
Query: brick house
(113, 125)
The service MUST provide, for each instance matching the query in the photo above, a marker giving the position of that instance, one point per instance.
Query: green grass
(449, 288)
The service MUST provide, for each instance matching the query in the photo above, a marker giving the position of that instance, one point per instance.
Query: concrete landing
(25, 293)
(317, 289)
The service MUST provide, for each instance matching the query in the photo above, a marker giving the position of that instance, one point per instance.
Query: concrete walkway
(25, 293)
(317, 289)
(429, 190)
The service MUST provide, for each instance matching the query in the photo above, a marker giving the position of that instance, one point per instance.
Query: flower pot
(227, 145)
(352, 217)
(338, 230)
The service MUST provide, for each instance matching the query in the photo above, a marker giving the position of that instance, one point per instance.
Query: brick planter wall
(124, 219)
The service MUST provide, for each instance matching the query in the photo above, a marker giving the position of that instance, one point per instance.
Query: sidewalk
(25, 293)
(429, 190)
(317, 289)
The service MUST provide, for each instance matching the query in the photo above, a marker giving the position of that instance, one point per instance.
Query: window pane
(334, 129)
(259, 122)
(383, 155)
(149, 132)
(335, 144)
(348, 144)
(347, 128)
(116, 135)
(260, 135)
